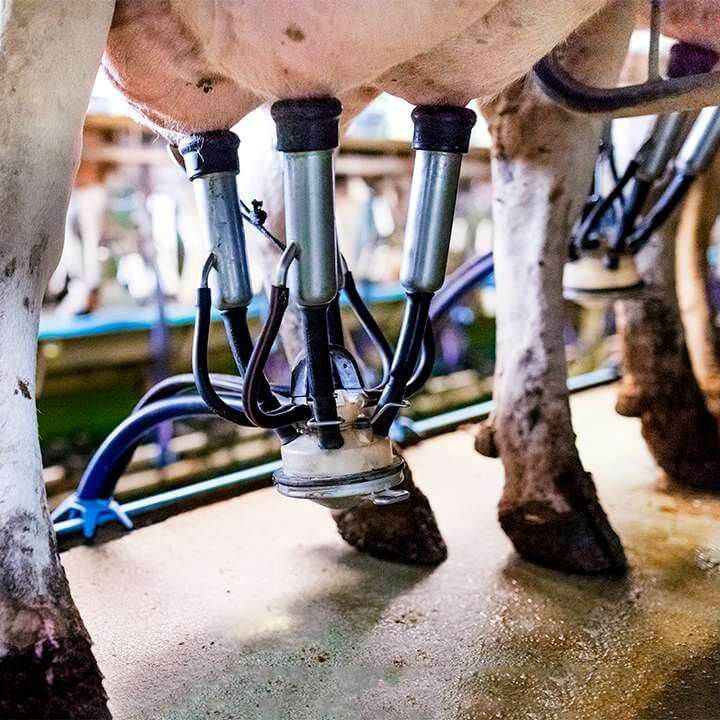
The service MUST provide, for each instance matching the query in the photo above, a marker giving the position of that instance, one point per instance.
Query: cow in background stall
(666, 335)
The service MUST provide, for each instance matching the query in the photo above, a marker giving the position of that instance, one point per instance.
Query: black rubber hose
(182, 383)
(470, 274)
(286, 414)
(241, 346)
(321, 386)
(405, 361)
(334, 323)
(668, 202)
(369, 325)
(466, 277)
(201, 372)
(424, 368)
(238, 336)
(595, 215)
(631, 211)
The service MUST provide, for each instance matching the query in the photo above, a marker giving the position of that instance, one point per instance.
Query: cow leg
(49, 54)
(698, 215)
(676, 423)
(90, 204)
(406, 532)
(542, 165)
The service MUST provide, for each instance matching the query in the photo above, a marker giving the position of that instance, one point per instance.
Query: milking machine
(333, 428)
(615, 226)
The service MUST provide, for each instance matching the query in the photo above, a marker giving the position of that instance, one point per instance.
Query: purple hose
(466, 277)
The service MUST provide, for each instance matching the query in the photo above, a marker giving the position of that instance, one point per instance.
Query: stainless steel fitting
(702, 143)
(430, 216)
(657, 152)
(309, 182)
(217, 199)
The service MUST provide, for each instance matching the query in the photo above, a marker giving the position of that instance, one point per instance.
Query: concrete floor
(254, 608)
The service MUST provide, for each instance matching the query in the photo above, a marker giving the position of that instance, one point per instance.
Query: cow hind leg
(406, 532)
(49, 55)
(677, 426)
(697, 218)
(542, 165)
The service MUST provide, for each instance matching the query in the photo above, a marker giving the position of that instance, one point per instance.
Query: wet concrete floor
(254, 608)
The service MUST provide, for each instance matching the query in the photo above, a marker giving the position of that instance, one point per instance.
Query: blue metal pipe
(170, 497)
(108, 463)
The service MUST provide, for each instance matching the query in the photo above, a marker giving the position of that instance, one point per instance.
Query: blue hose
(467, 276)
(111, 458)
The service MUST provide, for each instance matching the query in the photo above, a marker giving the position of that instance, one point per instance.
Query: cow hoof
(485, 440)
(578, 541)
(629, 405)
(700, 476)
(406, 532)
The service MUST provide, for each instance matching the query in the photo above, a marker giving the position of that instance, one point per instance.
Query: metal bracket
(92, 512)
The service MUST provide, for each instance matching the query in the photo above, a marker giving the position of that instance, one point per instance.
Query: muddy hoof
(406, 532)
(579, 541)
(485, 440)
(629, 405)
(702, 475)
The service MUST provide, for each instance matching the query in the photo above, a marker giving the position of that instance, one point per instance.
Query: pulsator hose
(286, 414)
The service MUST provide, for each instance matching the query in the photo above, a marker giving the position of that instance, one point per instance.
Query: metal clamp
(313, 424)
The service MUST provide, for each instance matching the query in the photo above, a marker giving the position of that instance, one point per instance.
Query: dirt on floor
(253, 608)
